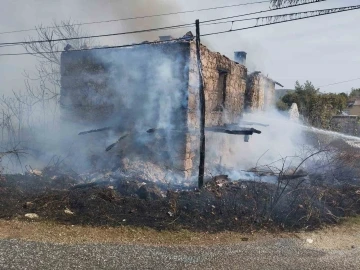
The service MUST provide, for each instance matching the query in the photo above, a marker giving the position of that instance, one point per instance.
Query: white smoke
(278, 145)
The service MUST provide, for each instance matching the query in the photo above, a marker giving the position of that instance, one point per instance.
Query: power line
(100, 48)
(338, 83)
(140, 17)
(293, 14)
(284, 21)
(325, 12)
(208, 22)
(212, 22)
(263, 11)
(97, 36)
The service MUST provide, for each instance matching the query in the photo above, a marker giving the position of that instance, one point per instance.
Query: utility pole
(202, 109)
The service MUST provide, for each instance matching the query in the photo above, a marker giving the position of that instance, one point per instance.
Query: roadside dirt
(338, 237)
(75, 234)
(342, 237)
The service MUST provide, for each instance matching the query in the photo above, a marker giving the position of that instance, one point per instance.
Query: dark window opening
(221, 90)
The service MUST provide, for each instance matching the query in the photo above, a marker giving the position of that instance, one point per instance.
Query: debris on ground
(32, 216)
(222, 204)
(68, 212)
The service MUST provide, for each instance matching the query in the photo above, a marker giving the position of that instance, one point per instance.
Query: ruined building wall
(157, 86)
(347, 124)
(191, 162)
(269, 93)
(260, 92)
(85, 88)
(224, 87)
(132, 90)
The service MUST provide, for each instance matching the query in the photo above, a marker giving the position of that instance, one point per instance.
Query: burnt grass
(220, 205)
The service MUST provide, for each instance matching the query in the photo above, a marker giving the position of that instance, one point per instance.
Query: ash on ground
(109, 199)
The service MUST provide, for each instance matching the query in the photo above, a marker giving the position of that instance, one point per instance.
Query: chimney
(240, 57)
(165, 38)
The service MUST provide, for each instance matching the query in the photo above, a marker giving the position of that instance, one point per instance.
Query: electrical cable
(208, 22)
(338, 83)
(278, 22)
(100, 48)
(140, 17)
(327, 12)
(263, 11)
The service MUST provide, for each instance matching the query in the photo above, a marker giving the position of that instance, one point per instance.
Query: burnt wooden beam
(279, 84)
(154, 130)
(95, 130)
(243, 131)
(111, 146)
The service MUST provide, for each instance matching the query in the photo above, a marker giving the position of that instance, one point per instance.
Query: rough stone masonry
(156, 86)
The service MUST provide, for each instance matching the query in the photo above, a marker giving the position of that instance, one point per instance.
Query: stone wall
(191, 161)
(217, 112)
(132, 90)
(220, 109)
(260, 92)
(125, 88)
(347, 124)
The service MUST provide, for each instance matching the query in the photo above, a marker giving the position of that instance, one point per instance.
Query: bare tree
(48, 56)
(36, 107)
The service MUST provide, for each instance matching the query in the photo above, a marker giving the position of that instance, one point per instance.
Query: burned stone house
(146, 100)
(260, 92)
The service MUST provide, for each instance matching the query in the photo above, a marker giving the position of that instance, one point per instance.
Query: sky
(323, 50)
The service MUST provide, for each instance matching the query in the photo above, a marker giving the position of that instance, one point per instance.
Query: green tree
(316, 108)
(282, 106)
(306, 95)
(355, 93)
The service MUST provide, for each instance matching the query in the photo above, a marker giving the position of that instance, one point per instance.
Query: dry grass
(343, 236)
(70, 234)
